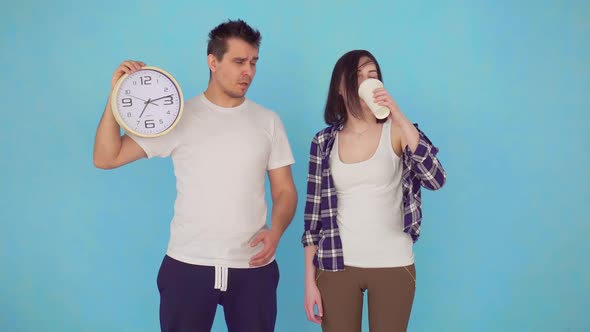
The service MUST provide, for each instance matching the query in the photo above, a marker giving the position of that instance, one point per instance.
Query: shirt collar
(335, 129)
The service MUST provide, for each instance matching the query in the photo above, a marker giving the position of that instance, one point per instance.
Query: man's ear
(212, 62)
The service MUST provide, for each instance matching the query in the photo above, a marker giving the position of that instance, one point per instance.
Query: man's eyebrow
(244, 59)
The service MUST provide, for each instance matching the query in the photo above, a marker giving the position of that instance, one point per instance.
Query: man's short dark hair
(218, 37)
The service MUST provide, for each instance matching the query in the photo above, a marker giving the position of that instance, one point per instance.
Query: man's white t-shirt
(221, 156)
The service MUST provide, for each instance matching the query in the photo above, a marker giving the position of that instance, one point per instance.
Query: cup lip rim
(370, 80)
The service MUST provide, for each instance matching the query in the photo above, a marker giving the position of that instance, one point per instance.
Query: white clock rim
(115, 95)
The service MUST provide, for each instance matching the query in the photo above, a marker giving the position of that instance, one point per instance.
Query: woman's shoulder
(325, 134)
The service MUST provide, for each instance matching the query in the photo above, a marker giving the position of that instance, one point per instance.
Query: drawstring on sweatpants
(221, 273)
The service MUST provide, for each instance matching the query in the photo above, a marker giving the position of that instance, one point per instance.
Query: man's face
(234, 73)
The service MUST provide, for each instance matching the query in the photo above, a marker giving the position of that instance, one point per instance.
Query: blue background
(498, 86)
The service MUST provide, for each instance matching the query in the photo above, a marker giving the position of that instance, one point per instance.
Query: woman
(363, 212)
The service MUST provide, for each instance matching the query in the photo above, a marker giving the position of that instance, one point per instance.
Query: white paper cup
(366, 93)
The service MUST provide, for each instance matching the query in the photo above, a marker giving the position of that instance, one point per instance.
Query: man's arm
(284, 198)
(111, 150)
(284, 203)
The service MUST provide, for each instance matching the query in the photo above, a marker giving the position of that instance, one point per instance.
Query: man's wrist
(276, 231)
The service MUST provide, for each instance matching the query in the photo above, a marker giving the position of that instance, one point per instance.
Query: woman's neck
(358, 126)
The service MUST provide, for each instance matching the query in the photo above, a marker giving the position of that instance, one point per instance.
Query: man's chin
(237, 94)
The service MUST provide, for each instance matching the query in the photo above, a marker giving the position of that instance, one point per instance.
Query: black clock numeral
(168, 100)
(149, 124)
(127, 102)
(168, 112)
(145, 80)
(127, 92)
(128, 114)
(161, 122)
(165, 89)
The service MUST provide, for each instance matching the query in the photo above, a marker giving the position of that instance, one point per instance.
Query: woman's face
(366, 69)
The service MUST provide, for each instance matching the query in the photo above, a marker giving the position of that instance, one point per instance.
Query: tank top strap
(385, 140)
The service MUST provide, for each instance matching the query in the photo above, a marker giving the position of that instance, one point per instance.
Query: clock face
(148, 102)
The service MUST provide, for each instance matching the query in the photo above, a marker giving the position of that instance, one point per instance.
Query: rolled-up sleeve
(425, 163)
(312, 217)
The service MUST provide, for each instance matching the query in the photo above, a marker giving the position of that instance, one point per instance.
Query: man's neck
(221, 99)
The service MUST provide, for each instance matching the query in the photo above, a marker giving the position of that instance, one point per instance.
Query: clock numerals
(146, 80)
(149, 103)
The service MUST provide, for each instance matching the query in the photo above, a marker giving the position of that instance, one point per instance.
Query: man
(220, 250)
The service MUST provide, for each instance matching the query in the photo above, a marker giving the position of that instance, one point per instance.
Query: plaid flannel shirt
(420, 169)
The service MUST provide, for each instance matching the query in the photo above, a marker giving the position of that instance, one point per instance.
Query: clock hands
(149, 101)
(146, 105)
(142, 99)
(161, 97)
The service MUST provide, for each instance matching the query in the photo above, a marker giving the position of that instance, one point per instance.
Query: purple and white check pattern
(420, 169)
